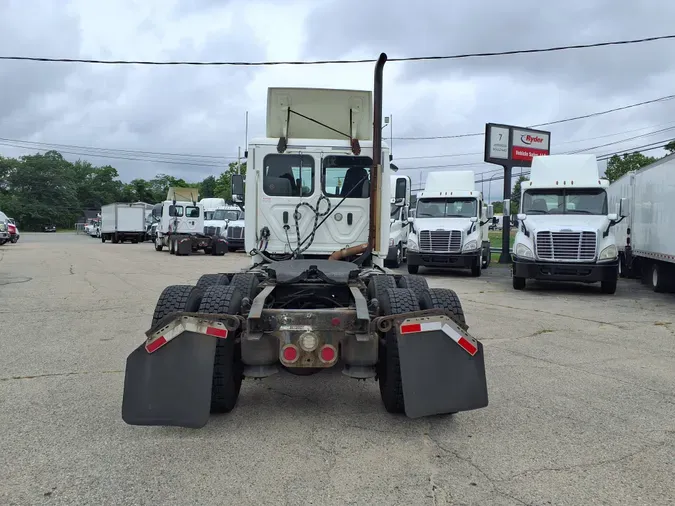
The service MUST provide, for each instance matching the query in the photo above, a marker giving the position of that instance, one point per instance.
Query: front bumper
(458, 260)
(235, 243)
(562, 271)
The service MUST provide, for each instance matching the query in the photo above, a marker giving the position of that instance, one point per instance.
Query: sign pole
(505, 256)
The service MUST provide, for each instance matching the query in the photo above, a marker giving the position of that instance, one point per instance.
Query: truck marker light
(327, 354)
(308, 341)
(217, 332)
(462, 341)
(290, 353)
(153, 346)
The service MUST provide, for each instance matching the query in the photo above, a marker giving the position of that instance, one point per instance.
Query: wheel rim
(399, 255)
(655, 276)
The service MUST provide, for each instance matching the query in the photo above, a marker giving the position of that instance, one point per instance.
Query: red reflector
(290, 353)
(327, 353)
(411, 327)
(335, 321)
(467, 346)
(216, 331)
(156, 344)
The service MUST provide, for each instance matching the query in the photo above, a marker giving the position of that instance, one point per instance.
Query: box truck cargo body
(646, 238)
(123, 222)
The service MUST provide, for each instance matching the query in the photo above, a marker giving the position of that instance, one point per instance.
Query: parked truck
(565, 228)
(645, 239)
(400, 188)
(181, 225)
(316, 295)
(122, 222)
(450, 228)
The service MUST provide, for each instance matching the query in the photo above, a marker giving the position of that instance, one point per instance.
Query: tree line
(46, 189)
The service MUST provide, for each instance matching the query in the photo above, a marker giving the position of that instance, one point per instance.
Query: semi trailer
(316, 295)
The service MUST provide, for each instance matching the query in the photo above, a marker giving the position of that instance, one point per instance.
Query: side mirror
(237, 185)
(521, 216)
(507, 207)
(613, 217)
(474, 219)
(623, 207)
(494, 220)
(490, 211)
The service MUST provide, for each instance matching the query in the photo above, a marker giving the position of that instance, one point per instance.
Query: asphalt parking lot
(582, 399)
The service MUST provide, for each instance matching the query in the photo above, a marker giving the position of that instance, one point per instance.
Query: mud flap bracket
(442, 367)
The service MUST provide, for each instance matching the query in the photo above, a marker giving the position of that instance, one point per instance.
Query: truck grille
(235, 232)
(211, 230)
(566, 245)
(441, 241)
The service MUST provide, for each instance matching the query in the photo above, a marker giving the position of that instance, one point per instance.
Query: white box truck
(450, 228)
(123, 222)
(565, 228)
(645, 238)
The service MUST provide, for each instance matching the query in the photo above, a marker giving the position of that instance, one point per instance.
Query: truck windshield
(223, 214)
(446, 208)
(565, 201)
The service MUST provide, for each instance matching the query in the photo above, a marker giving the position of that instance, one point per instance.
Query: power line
(114, 150)
(453, 155)
(556, 122)
(327, 62)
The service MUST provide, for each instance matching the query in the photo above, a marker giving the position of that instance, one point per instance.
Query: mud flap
(439, 376)
(219, 247)
(171, 386)
(184, 246)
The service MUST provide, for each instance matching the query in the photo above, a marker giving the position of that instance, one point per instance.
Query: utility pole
(239, 160)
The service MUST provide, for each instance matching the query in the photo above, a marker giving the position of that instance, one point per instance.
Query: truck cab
(450, 224)
(398, 219)
(565, 231)
(307, 192)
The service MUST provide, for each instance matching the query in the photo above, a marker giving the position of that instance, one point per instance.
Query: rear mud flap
(171, 386)
(219, 247)
(439, 376)
(184, 246)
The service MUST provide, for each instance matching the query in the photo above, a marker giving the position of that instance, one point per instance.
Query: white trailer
(645, 238)
(123, 222)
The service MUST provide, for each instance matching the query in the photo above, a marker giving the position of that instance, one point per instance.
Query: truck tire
(518, 283)
(413, 269)
(246, 283)
(419, 285)
(608, 287)
(177, 298)
(212, 279)
(378, 286)
(477, 267)
(444, 298)
(396, 301)
(228, 370)
(158, 244)
(657, 279)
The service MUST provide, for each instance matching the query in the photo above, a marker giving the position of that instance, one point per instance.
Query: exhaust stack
(376, 169)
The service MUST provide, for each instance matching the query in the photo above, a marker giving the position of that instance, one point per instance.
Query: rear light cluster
(290, 353)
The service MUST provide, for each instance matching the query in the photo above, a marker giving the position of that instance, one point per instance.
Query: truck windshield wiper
(578, 211)
(535, 211)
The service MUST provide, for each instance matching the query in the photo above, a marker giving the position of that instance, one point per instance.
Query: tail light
(327, 354)
(290, 353)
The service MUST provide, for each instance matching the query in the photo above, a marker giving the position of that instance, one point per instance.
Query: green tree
(498, 207)
(223, 188)
(207, 188)
(617, 165)
(670, 147)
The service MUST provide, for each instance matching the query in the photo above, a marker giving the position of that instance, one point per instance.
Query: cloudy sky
(131, 116)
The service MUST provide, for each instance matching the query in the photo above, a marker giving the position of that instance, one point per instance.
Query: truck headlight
(391, 242)
(523, 251)
(412, 245)
(470, 246)
(609, 253)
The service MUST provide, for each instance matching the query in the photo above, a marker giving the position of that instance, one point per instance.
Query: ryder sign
(514, 146)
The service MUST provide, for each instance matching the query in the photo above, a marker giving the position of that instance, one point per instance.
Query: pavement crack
(71, 269)
(292, 396)
(58, 374)
(587, 465)
(467, 460)
(592, 373)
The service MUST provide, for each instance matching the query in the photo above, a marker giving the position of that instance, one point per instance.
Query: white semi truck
(450, 228)
(645, 238)
(565, 228)
(400, 188)
(181, 225)
(316, 296)
(122, 222)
